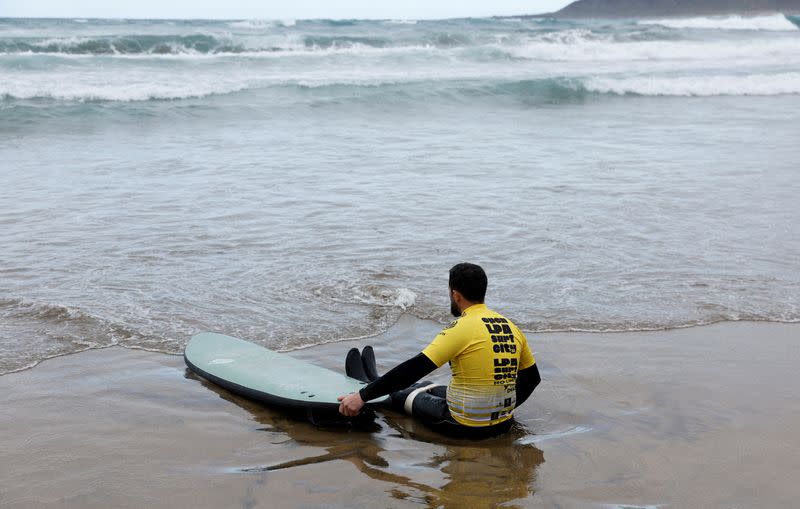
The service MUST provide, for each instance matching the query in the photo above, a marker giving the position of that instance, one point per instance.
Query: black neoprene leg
(430, 408)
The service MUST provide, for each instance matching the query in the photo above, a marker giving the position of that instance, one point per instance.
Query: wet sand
(698, 417)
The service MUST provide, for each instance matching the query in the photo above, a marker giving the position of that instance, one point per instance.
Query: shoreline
(702, 416)
(365, 339)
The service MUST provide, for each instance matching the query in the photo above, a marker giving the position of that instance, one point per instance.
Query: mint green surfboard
(264, 375)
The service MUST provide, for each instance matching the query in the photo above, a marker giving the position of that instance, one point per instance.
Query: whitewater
(298, 182)
(150, 60)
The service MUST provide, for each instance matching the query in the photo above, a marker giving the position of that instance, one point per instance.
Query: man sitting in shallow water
(492, 365)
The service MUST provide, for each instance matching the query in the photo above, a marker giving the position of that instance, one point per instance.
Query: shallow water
(299, 183)
(694, 417)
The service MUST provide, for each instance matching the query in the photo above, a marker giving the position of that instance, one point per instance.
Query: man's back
(485, 351)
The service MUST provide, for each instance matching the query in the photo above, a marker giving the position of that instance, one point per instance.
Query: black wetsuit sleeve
(398, 377)
(527, 380)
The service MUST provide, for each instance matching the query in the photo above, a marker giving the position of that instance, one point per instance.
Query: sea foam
(582, 45)
(776, 22)
(261, 24)
(754, 84)
(121, 92)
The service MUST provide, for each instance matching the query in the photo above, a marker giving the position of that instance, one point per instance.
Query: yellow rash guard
(485, 351)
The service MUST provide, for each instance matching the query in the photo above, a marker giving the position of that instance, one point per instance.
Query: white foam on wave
(571, 46)
(123, 92)
(564, 47)
(130, 88)
(699, 86)
(580, 45)
(73, 83)
(405, 298)
(776, 22)
(43, 310)
(61, 42)
(99, 46)
(372, 294)
(288, 48)
(402, 298)
(260, 24)
(584, 58)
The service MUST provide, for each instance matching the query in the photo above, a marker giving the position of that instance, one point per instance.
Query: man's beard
(454, 308)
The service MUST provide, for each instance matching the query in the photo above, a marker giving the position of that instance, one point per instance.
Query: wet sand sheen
(704, 416)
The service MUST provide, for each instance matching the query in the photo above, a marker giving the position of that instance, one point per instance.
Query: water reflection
(482, 473)
(424, 468)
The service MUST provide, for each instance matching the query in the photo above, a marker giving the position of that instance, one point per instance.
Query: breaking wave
(699, 86)
(123, 45)
(776, 22)
(542, 91)
(564, 44)
(261, 24)
(583, 45)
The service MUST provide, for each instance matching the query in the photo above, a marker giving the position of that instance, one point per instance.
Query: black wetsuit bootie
(354, 367)
(368, 360)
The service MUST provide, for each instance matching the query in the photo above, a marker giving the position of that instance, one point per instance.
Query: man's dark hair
(469, 280)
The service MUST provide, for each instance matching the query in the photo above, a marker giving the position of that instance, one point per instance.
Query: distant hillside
(674, 8)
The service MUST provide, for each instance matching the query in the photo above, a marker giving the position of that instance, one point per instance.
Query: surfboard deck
(270, 377)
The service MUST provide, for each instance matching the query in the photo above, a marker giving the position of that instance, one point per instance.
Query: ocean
(300, 182)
